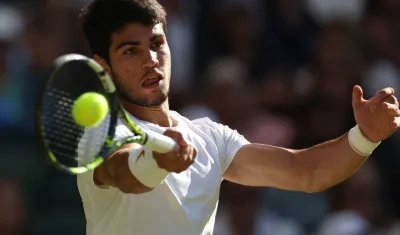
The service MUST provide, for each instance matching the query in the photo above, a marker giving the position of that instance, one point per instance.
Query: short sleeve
(227, 140)
(233, 142)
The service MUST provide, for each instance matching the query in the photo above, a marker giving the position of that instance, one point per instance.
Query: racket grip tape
(159, 143)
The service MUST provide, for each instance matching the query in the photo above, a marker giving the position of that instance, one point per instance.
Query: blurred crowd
(279, 71)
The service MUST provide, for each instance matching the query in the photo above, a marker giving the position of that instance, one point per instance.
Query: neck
(158, 115)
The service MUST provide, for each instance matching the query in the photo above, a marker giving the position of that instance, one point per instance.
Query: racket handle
(160, 143)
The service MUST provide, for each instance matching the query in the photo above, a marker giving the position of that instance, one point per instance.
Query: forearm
(328, 164)
(309, 170)
(115, 172)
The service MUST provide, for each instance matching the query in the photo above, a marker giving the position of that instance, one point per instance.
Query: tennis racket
(77, 149)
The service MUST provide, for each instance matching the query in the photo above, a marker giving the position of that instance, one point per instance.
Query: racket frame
(113, 106)
(153, 140)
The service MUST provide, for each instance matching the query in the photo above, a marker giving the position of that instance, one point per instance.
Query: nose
(151, 60)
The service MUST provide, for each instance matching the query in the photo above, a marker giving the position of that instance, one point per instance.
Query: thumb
(357, 98)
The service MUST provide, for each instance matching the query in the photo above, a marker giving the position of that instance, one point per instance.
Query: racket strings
(70, 143)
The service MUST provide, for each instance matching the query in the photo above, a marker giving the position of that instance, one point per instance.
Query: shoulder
(204, 124)
(215, 128)
(218, 132)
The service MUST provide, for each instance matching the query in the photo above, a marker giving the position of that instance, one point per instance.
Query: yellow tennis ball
(90, 109)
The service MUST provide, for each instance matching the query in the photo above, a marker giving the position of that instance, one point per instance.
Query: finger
(194, 153)
(392, 109)
(357, 97)
(395, 123)
(191, 155)
(177, 136)
(181, 159)
(184, 152)
(382, 94)
(391, 100)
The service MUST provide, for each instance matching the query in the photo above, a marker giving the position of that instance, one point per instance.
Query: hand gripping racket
(77, 149)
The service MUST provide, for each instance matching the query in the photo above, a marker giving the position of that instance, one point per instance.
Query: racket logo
(141, 155)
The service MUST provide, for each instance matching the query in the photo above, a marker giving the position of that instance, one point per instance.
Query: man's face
(140, 63)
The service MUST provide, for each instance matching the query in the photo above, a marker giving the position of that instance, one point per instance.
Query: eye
(130, 51)
(156, 45)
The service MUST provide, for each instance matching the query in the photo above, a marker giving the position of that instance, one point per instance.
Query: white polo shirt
(185, 204)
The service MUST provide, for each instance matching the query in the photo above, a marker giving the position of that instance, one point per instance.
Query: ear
(103, 63)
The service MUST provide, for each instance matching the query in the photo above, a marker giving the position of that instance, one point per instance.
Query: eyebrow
(138, 43)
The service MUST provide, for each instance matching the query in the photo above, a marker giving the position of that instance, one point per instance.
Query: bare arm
(325, 165)
(309, 170)
(115, 172)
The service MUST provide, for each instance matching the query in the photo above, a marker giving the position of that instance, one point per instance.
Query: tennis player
(137, 191)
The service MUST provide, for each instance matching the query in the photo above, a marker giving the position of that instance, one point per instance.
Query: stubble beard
(124, 92)
(146, 102)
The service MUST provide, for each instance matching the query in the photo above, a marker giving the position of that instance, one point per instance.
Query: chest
(197, 189)
(198, 186)
(202, 180)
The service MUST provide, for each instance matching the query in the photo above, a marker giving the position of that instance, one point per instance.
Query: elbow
(313, 184)
(135, 190)
(126, 183)
(130, 185)
(315, 189)
(309, 174)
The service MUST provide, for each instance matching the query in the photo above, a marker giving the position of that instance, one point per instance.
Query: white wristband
(144, 167)
(359, 143)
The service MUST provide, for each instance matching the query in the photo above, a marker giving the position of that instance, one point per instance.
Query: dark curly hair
(101, 18)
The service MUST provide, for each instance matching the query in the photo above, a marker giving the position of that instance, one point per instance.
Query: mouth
(152, 80)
